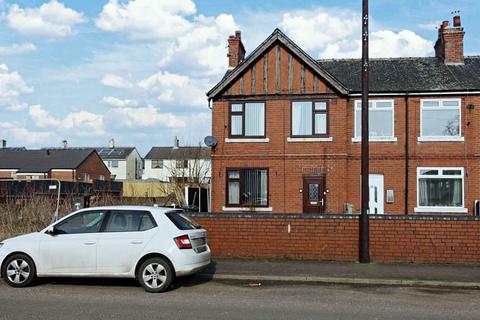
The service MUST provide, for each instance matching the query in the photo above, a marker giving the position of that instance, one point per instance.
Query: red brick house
(75, 165)
(288, 131)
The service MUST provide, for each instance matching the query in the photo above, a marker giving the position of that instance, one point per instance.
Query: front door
(314, 194)
(376, 193)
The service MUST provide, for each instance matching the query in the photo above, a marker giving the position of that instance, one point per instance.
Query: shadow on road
(186, 281)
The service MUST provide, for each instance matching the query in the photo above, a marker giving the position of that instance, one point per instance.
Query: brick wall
(422, 239)
(94, 167)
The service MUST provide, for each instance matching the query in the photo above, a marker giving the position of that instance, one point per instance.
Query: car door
(126, 234)
(72, 249)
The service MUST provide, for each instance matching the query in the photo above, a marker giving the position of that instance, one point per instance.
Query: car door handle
(136, 242)
(89, 243)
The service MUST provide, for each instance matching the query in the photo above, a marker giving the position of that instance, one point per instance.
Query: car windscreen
(182, 222)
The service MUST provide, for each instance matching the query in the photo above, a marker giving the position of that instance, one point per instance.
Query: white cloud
(120, 103)
(335, 34)
(144, 117)
(430, 26)
(51, 20)
(176, 88)
(111, 80)
(17, 49)
(147, 19)
(12, 86)
(16, 134)
(196, 42)
(78, 123)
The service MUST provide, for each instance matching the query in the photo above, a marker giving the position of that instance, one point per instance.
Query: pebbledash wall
(393, 238)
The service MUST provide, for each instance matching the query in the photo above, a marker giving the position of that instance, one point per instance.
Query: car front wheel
(155, 275)
(19, 271)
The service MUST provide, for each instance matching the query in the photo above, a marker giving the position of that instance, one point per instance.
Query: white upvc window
(112, 163)
(381, 116)
(440, 120)
(440, 189)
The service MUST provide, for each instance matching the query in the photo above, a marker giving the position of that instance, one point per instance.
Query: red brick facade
(287, 79)
(392, 238)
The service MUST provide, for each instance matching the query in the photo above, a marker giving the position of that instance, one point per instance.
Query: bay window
(309, 119)
(440, 119)
(381, 120)
(247, 120)
(247, 187)
(440, 189)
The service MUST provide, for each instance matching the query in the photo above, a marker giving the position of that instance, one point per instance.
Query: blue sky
(137, 71)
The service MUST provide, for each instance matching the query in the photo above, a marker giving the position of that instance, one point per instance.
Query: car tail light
(183, 242)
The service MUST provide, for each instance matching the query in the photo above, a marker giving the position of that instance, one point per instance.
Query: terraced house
(288, 130)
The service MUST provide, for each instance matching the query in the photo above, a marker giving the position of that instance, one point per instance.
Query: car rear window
(182, 222)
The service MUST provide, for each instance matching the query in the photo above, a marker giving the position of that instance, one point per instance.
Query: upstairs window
(440, 118)
(381, 120)
(157, 164)
(309, 119)
(113, 163)
(181, 164)
(247, 120)
(247, 187)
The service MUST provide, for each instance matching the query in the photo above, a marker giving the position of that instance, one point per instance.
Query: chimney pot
(457, 22)
(3, 143)
(112, 143)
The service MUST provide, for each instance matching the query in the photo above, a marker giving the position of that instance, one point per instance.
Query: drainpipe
(407, 155)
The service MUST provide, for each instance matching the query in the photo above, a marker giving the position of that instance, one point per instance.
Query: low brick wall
(439, 239)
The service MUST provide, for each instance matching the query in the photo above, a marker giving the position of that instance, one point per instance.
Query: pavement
(257, 271)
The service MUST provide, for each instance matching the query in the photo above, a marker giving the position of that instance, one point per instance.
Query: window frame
(440, 175)
(356, 107)
(103, 228)
(441, 107)
(184, 164)
(102, 225)
(241, 187)
(314, 112)
(111, 162)
(156, 160)
(242, 114)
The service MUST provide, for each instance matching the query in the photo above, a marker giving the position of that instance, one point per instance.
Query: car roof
(130, 207)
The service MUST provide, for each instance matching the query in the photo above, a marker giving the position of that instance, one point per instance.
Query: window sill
(243, 140)
(440, 210)
(441, 139)
(260, 209)
(376, 139)
(329, 139)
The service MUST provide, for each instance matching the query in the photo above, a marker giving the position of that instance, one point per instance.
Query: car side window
(129, 221)
(83, 222)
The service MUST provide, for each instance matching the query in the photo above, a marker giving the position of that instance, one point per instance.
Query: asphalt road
(195, 298)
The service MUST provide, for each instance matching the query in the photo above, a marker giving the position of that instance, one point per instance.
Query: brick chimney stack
(449, 45)
(236, 50)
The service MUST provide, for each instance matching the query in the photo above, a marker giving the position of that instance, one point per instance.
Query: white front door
(376, 193)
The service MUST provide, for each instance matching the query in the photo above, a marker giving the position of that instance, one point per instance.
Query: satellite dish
(210, 141)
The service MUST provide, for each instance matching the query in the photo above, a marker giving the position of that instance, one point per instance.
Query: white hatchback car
(151, 244)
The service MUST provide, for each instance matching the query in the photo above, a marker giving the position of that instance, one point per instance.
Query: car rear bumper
(196, 262)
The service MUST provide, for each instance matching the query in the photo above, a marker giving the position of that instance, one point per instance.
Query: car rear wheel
(155, 275)
(19, 271)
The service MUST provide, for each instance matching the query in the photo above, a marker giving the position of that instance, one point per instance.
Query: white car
(151, 244)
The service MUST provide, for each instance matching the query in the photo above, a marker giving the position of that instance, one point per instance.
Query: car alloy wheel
(155, 275)
(19, 271)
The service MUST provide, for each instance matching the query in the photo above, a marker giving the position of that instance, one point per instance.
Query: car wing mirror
(51, 231)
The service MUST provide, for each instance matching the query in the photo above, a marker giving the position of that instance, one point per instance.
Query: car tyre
(155, 275)
(19, 271)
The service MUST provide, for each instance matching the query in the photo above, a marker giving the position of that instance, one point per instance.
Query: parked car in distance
(151, 244)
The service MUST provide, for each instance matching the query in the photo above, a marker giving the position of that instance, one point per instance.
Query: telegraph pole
(364, 228)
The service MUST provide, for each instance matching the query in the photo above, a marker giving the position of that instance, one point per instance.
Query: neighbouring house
(178, 164)
(288, 130)
(76, 165)
(124, 163)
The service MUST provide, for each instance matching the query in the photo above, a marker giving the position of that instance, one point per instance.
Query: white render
(196, 168)
(128, 169)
